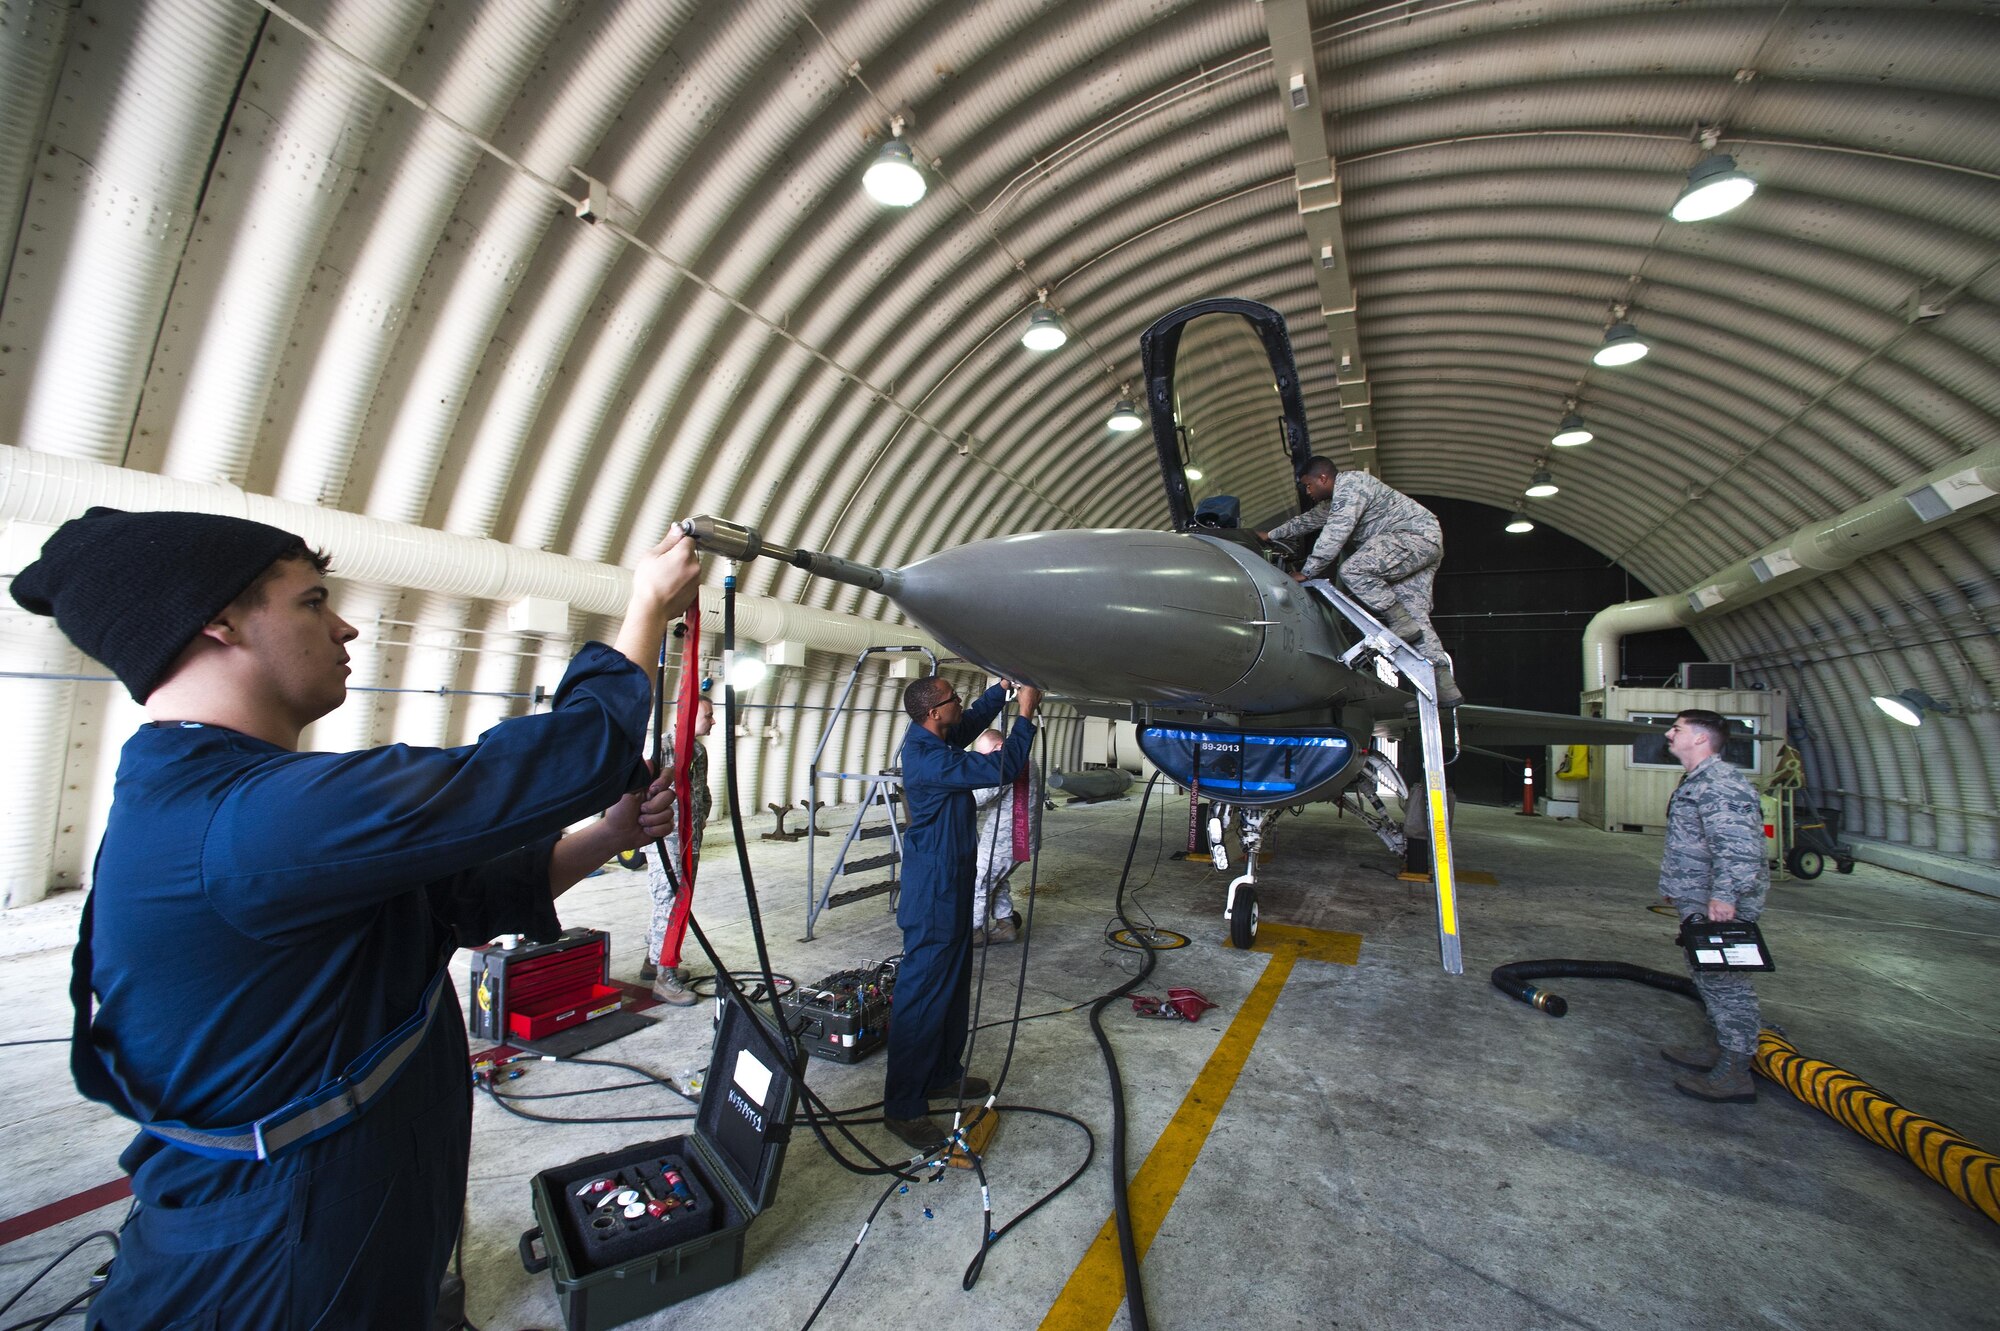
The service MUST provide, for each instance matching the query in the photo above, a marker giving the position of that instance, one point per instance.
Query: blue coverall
(260, 918)
(940, 850)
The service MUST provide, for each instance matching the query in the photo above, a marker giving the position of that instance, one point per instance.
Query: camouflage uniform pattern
(996, 845)
(656, 877)
(1397, 549)
(1715, 848)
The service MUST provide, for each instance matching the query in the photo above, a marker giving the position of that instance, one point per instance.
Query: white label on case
(752, 1076)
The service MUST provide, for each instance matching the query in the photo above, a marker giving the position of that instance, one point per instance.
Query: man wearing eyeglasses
(940, 852)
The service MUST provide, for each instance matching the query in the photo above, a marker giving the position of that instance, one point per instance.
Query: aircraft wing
(1512, 725)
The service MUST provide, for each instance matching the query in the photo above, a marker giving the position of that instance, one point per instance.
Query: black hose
(1512, 980)
(1128, 1250)
(735, 809)
(817, 1113)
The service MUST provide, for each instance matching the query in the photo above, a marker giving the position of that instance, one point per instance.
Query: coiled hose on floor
(1512, 980)
(1972, 1174)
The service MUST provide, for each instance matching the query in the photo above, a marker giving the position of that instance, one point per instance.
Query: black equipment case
(615, 1261)
(1737, 945)
(845, 1017)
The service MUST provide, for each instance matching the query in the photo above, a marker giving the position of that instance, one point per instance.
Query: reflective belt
(305, 1119)
(317, 1113)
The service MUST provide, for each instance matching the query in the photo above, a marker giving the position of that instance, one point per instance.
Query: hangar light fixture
(1571, 432)
(743, 668)
(893, 179)
(1519, 524)
(1910, 705)
(1714, 187)
(1193, 473)
(1044, 331)
(1124, 417)
(1542, 484)
(1622, 346)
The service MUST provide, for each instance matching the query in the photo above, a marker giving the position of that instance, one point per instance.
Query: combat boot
(1702, 1055)
(1448, 695)
(1728, 1082)
(1403, 626)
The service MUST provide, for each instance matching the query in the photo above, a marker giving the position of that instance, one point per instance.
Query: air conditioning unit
(1708, 675)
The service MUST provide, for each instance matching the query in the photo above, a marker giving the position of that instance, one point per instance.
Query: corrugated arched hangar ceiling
(330, 252)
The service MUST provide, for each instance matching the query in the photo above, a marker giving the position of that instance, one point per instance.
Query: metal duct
(1937, 498)
(39, 487)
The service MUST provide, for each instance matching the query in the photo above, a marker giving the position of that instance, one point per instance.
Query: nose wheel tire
(1243, 918)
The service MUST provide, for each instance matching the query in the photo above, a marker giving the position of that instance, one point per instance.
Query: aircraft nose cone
(1140, 615)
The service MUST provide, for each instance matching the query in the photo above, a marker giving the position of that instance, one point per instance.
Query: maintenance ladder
(881, 792)
(1377, 640)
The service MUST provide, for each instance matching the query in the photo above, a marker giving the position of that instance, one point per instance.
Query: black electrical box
(845, 1017)
(692, 1198)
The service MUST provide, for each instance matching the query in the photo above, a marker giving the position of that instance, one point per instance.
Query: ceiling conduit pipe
(1939, 497)
(42, 488)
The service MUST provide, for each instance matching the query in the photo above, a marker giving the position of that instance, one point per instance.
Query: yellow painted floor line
(1090, 1299)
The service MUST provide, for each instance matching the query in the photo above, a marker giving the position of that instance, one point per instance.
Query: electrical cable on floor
(502, 1101)
(54, 1039)
(994, 1236)
(1037, 1016)
(650, 1079)
(853, 1248)
(47, 1319)
(706, 986)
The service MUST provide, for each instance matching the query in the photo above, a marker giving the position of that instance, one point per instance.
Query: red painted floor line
(39, 1219)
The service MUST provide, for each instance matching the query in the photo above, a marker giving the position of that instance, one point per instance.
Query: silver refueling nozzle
(734, 541)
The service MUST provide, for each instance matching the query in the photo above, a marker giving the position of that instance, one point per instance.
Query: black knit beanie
(132, 589)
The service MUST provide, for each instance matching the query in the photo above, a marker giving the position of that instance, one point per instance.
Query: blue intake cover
(1232, 765)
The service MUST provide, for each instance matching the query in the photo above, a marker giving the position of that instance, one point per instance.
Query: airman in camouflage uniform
(1397, 548)
(996, 846)
(1714, 866)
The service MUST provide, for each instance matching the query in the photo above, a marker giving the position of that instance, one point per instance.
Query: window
(1651, 750)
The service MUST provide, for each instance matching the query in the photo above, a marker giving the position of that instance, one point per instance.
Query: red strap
(687, 698)
(1021, 814)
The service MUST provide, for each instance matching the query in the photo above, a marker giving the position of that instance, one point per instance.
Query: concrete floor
(1402, 1148)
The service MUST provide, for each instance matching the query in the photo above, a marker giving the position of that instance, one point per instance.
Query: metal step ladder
(1376, 640)
(881, 792)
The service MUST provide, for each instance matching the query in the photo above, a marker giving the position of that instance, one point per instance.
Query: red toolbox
(533, 990)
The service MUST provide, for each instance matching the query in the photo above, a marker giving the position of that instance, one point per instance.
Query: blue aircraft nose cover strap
(1250, 767)
(304, 1119)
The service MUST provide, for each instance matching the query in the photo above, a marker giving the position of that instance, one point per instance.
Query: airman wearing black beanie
(133, 589)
